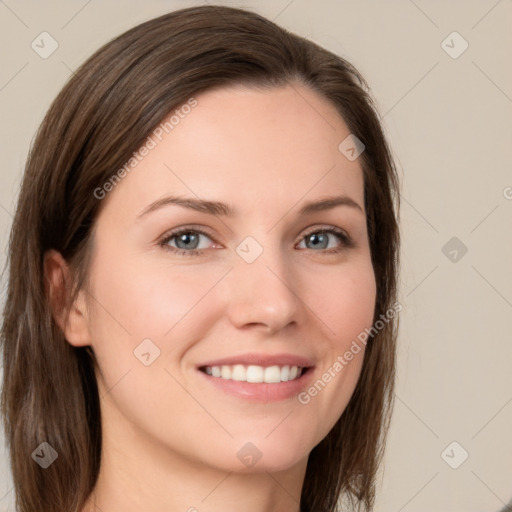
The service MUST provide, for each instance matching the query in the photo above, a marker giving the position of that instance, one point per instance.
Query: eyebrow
(219, 208)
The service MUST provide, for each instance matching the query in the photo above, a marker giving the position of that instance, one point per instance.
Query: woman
(201, 308)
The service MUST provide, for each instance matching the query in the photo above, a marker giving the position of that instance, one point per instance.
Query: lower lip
(261, 392)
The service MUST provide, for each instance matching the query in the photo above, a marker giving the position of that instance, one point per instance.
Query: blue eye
(320, 239)
(186, 241)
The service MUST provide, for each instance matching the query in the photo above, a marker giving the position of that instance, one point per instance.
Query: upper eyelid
(205, 231)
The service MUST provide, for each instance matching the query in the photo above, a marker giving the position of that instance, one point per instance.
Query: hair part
(110, 105)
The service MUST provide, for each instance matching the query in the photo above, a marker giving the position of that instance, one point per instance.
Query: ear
(71, 318)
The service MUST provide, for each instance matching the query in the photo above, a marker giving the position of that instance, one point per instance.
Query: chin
(258, 453)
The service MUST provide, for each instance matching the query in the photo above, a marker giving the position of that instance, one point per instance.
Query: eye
(187, 241)
(321, 238)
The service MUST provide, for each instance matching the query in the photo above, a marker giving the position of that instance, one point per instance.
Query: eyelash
(346, 241)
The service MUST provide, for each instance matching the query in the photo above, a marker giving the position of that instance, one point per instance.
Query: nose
(261, 294)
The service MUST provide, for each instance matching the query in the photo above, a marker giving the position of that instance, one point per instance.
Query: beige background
(449, 122)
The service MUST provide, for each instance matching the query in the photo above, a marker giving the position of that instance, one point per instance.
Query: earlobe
(71, 318)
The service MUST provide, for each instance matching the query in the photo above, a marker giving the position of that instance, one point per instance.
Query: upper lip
(261, 360)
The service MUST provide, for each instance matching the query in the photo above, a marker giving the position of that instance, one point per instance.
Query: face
(217, 322)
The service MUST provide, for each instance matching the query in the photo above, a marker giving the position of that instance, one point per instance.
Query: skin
(170, 438)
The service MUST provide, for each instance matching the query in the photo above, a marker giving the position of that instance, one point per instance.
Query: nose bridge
(262, 287)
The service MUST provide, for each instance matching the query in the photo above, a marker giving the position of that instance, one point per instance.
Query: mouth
(259, 378)
(256, 374)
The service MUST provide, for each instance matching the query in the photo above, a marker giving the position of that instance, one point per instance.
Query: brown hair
(104, 113)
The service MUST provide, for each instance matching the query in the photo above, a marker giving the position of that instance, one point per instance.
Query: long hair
(109, 106)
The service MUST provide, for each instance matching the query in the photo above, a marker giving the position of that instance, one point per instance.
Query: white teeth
(272, 374)
(225, 372)
(254, 373)
(238, 372)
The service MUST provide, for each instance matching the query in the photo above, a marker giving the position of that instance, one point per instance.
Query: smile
(254, 373)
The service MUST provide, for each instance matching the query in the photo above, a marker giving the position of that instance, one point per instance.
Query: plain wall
(449, 123)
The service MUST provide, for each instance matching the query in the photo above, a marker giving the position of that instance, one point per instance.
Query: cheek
(149, 299)
(137, 300)
(346, 309)
(344, 302)
(352, 318)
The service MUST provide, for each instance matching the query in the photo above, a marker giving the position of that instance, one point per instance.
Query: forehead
(258, 148)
